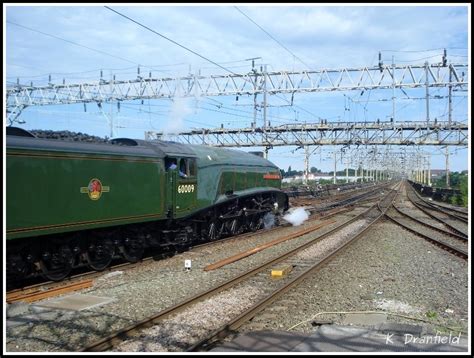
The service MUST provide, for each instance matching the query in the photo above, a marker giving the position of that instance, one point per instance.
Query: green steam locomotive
(71, 204)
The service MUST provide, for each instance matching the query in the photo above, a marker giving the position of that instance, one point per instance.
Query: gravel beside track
(333, 241)
(386, 271)
(148, 289)
(412, 210)
(444, 205)
(457, 224)
(182, 330)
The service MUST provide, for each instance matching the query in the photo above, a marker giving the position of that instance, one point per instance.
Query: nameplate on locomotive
(271, 176)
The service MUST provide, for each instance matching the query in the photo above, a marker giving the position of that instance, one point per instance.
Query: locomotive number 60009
(189, 188)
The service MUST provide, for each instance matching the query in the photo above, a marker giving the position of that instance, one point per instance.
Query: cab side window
(171, 163)
(192, 167)
(186, 166)
(183, 168)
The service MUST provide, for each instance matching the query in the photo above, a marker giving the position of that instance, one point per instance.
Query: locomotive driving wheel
(213, 230)
(56, 263)
(255, 223)
(99, 254)
(234, 226)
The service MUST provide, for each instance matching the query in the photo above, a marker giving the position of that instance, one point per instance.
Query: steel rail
(39, 294)
(230, 327)
(445, 232)
(52, 285)
(117, 337)
(449, 226)
(451, 215)
(437, 204)
(440, 208)
(445, 246)
(365, 196)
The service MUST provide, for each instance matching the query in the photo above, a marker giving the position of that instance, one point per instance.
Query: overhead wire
(71, 42)
(221, 105)
(429, 50)
(152, 67)
(196, 54)
(273, 38)
(172, 41)
(420, 59)
(288, 50)
(188, 49)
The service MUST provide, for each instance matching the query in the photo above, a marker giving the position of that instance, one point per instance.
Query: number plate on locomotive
(188, 188)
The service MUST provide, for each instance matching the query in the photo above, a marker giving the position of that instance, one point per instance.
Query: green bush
(457, 181)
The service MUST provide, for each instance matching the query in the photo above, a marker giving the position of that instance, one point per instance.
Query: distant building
(311, 176)
(437, 173)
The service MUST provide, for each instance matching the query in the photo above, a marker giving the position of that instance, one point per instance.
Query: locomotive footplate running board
(249, 212)
(227, 217)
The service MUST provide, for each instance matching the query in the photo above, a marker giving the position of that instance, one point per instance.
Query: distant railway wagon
(74, 203)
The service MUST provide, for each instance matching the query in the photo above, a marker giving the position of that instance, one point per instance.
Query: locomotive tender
(70, 204)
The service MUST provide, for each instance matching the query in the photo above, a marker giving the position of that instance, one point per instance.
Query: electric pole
(447, 167)
(306, 164)
(427, 93)
(393, 90)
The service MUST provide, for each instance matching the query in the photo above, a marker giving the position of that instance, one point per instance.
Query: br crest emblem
(95, 189)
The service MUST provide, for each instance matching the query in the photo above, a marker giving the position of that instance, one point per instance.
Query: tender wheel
(133, 249)
(17, 267)
(56, 264)
(99, 254)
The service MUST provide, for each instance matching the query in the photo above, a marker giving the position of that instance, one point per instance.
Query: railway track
(461, 214)
(48, 289)
(447, 240)
(40, 293)
(431, 227)
(301, 261)
(450, 211)
(441, 217)
(430, 206)
(328, 201)
(22, 293)
(431, 234)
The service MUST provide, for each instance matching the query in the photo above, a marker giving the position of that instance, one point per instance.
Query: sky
(78, 43)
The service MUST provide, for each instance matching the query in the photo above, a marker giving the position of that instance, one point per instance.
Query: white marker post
(187, 265)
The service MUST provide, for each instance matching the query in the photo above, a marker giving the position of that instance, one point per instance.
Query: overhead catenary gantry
(327, 133)
(394, 132)
(21, 96)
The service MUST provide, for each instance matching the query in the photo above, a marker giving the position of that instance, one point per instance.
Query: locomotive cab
(181, 175)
